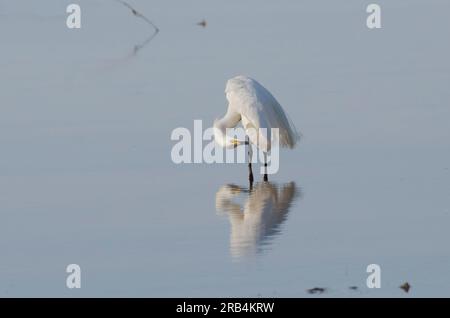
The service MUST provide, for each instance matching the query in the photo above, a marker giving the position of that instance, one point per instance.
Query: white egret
(255, 107)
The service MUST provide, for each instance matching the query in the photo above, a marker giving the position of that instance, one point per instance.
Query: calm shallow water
(86, 175)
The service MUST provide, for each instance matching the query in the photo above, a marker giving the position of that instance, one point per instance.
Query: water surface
(86, 175)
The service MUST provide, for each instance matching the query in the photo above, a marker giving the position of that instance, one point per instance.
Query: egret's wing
(259, 109)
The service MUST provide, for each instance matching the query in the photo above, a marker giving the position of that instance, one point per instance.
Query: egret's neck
(230, 120)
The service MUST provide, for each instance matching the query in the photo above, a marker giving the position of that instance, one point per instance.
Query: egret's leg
(250, 154)
(265, 167)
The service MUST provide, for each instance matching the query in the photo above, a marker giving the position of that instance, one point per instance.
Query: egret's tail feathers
(289, 135)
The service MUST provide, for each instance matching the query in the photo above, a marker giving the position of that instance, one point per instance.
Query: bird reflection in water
(258, 220)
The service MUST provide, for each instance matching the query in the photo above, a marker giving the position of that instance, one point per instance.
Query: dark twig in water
(316, 290)
(138, 14)
(140, 46)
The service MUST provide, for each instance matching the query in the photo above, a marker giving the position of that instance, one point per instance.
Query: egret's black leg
(250, 172)
(265, 168)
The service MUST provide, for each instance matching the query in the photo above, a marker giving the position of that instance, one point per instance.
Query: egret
(252, 105)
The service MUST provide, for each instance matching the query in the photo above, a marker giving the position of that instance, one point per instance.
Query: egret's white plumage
(254, 106)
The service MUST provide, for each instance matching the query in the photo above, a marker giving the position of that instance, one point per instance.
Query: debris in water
(406, 287)
(202, 23)
(316, 290)
(353, 287)
(139, 15)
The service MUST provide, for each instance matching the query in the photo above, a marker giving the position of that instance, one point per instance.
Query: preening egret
(255, 107)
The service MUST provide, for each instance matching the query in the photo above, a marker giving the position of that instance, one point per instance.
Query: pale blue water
(86, 175)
